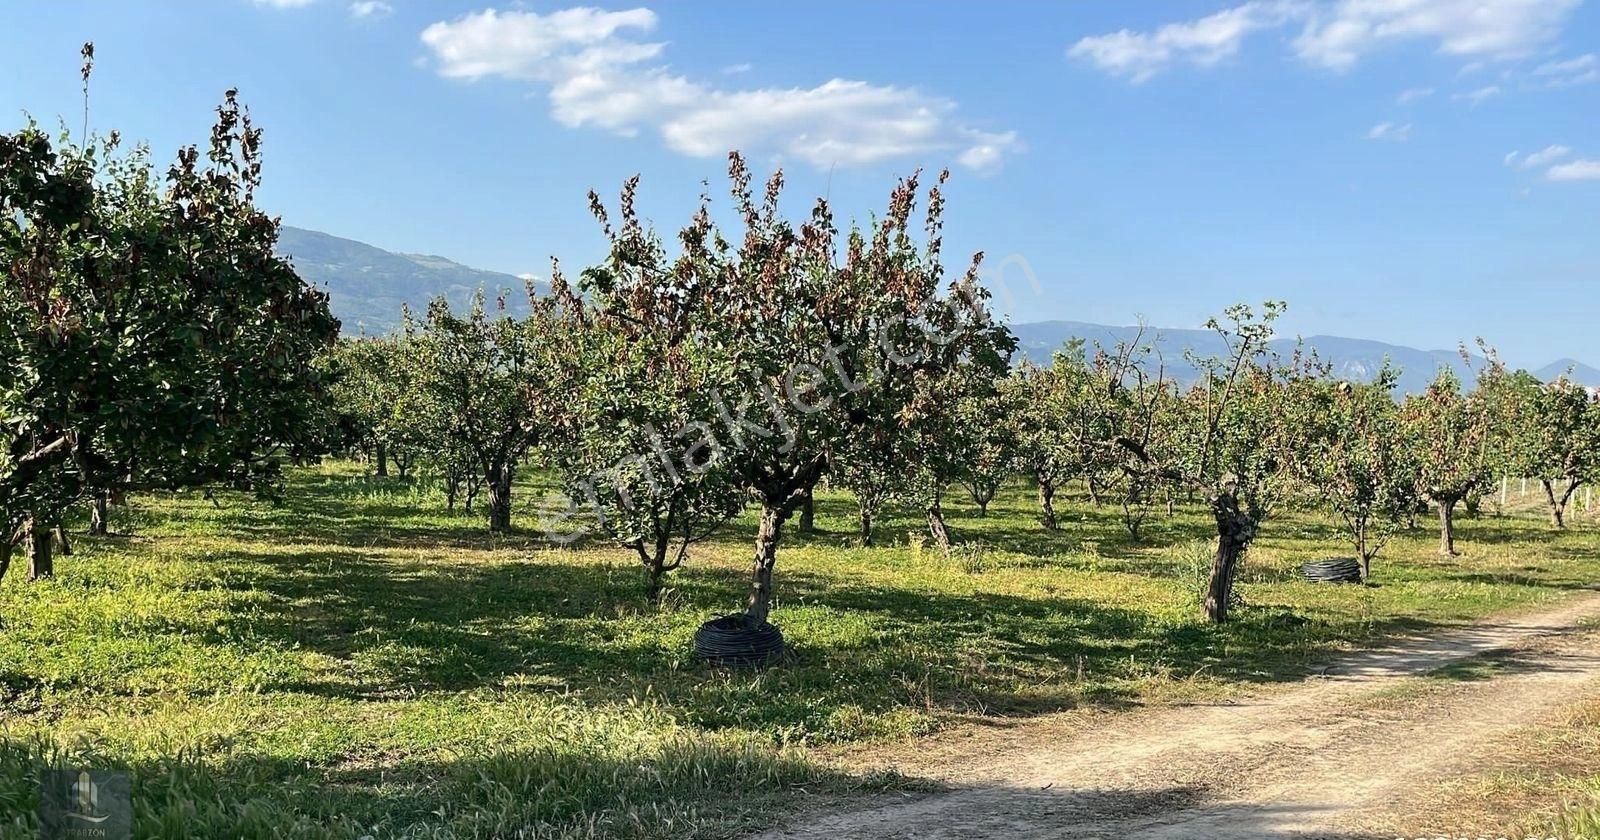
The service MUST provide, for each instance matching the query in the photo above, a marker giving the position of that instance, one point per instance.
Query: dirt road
(1353, 753)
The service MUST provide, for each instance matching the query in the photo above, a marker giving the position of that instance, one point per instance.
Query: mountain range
(1355, 359)
(368, 286)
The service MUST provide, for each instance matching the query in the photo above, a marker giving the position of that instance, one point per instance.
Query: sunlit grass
(358, 660)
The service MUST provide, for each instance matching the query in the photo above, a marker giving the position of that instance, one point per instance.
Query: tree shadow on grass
(1049, 548)
(441, 625)
(360, 522)
(380, 532)
(1545, 574)
(1099, 643)
(396, 626)
(369, 512)
(1070, 651)
(1567, 582)
(673, 785)
(1503, 530)
(897, 524)
(687, 786)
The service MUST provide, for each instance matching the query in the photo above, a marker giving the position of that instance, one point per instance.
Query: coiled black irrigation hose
(1332, 570)
(731, 640)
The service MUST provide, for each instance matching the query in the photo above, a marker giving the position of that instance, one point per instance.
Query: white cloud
(1581, 169)
(1477, 29)
(284, 4)
(370, 9)
(736, 69)
(1390, 131)
(1548, 155)
(600, 74)
(1411, 95)
(1476, 97)
(524, 45)
(987, 149)
(1573, 71)
(1578, 170)
(1203, 42)
(1336, 35)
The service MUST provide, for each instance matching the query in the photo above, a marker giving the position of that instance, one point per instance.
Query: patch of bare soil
(1361, 751)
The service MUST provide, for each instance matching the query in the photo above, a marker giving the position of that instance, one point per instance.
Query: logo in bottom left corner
(86, 804)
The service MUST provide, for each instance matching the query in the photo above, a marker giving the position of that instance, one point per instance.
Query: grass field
(359, 662)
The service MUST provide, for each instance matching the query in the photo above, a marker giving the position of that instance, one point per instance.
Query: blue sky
(1417, 171)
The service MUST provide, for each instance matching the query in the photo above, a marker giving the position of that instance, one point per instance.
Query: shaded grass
(359, 659)
(506, 770)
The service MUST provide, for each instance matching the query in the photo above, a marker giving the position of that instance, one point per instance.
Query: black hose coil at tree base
(1332, 570)
(733, 640)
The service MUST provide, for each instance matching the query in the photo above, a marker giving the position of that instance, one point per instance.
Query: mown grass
(357, 661)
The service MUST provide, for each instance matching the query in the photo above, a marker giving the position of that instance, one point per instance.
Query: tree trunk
(6, 547)
(498, 482)
(936, 526)
(1558, 505)
(1094, 491)
(759, 605)
(60, 532)
(1047, 507)
(655, 573)
(40, 551)
(1358, 531)
(1235, 530)
(808, 513)
(865, 515)
(1555, 506)
(381, 456)
(452, 488)
(982, 495)
(1447, 527)
(100, 515)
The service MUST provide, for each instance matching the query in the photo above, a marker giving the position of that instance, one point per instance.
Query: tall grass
(563, 776)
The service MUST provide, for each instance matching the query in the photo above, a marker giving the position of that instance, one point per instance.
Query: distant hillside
(367, 285)
(1572, 369)
(1351, 358)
